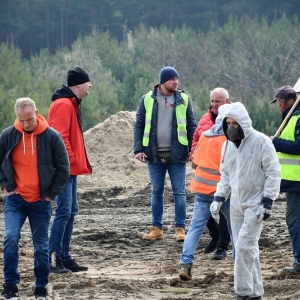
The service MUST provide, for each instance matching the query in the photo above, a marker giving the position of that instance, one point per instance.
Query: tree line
(248, 56)
(33, 25)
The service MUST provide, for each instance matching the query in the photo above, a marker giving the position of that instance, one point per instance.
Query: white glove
(215, 209)
(263, 213)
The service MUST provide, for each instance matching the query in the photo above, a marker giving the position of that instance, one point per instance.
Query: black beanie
(166, 74)
(77, 76)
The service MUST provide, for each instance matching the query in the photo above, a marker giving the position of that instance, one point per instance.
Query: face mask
(233, 133)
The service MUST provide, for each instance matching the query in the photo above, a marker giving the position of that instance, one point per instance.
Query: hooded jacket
(251, 171)
(179, 152)
(52, 164)
(65, 116)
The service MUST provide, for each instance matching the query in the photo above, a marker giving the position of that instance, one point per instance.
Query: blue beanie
(166, 74)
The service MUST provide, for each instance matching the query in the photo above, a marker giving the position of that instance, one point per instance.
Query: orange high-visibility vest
(207, 157)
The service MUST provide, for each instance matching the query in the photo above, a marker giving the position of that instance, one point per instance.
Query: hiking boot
(155, 234)
(180, 234)
(220, 254)
(186, 272)
(10, 291)
(59, 268)
(210, 247)
(255, 298)
(74, 266)
(40, 293)
(238, 297)
(295, 268)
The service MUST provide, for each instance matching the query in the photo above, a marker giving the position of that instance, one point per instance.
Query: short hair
(223, 91)
(23, 102)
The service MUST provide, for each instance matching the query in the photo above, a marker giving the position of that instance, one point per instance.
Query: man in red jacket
(65, 116)
(219, 234)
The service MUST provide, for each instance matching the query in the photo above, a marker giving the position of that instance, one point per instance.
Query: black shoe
(210, 247)
(238, 297)
(73, 266)
(59, 268)
(40, 293)
(10, 291)
(220, 254)
(295, 268)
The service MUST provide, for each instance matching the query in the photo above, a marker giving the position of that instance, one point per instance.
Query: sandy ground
(115, 213)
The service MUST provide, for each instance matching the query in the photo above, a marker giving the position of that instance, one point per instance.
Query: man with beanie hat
(166, 74)
(163, 134)
(65, 116)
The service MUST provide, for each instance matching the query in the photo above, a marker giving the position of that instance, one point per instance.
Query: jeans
(293, 222)
(201, 214)
(63, 223)
(15, 214)
(157, 173)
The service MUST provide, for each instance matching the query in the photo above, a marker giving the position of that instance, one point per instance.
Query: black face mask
(233, 133)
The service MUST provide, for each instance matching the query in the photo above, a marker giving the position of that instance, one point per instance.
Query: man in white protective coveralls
(250, 172)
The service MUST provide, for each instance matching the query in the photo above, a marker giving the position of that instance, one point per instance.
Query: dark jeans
(219, 234)
(293, 222)
(62, 226)
(15, 214)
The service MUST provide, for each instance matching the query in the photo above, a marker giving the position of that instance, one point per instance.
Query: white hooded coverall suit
(249, 172)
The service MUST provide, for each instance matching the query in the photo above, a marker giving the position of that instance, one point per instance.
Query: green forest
(247, 47)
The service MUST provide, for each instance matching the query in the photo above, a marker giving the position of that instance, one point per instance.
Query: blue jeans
(201, 214)
(157, 173)
(63, 223)
(293, 222)
(15, 214)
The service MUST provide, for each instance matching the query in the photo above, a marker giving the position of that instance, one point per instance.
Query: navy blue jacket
(289, 147)
(179, 152)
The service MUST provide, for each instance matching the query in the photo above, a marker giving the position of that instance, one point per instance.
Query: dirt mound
(110, 151)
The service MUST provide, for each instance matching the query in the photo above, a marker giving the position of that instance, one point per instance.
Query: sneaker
(180, 234)
(40, 293)
(295, 268)
(59, 268)
(186, 272)
(210, 247)
(220, 254)
(10, 291)
(73, 266)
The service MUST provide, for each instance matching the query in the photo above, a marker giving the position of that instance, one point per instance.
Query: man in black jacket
(34, 169)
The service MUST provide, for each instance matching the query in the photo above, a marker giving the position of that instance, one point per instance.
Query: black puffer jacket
(53, 161)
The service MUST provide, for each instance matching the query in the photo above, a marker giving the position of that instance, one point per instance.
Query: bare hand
(48, 199)
(141, 156)
(9, 193)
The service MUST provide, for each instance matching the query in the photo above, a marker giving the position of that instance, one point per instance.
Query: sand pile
(109, 147)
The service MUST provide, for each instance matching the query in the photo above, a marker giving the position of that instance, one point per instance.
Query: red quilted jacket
(205, 123)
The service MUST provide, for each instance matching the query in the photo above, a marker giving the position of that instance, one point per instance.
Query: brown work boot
(180, 234)
(155, 234)
(186, 272)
